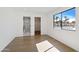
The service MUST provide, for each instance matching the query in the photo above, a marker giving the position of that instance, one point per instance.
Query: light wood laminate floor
(28, 44)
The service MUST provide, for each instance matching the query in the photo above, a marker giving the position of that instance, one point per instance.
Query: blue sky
(70, 13)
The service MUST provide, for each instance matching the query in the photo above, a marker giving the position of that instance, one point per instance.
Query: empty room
(39, 29)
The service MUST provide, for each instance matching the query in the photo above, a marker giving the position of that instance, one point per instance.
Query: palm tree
(65, 20)
(56, 20)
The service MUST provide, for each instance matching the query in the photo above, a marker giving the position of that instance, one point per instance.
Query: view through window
(65, 20)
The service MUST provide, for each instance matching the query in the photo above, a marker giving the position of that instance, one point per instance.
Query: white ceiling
(36, 9)
(40, 9)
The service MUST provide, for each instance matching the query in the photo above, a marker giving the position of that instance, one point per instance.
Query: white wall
(11, 24)
(8, 26)
(70, 38)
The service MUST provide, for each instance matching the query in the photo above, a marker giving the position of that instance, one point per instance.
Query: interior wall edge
(62, 42)
(11, 39)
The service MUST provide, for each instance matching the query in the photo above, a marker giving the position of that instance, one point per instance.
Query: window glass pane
(68, 19)
(57, 21)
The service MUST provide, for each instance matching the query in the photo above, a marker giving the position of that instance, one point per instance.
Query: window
(65, 20)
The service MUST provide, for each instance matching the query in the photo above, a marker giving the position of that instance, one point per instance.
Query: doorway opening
(26, 26)
(37, 25)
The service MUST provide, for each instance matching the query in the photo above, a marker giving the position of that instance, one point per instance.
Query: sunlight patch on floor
(45, 46)
(53, 50)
